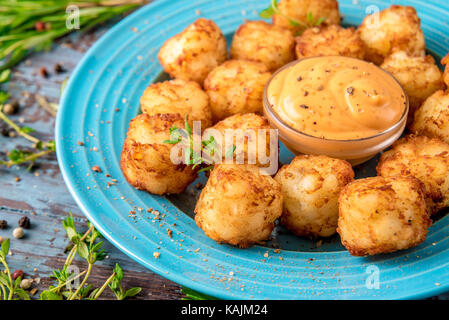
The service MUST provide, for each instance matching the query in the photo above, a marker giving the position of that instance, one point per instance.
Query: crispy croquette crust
(238, 205)
(193, 53)
(178, 96)
(145, 160)
(419, 76)
(432, 118)
(310, 186)
(382, 215)
(397, 27)
(265, 43)
(333, 40)
(424, 158)
(244, 122)
(236, 86)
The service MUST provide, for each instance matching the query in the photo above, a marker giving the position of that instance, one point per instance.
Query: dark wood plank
(42, 195)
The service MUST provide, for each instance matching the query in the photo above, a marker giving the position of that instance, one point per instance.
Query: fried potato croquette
(397, 27)
(238, 205)
(424, 158)
(432, 118)
(145, 159)
(330, 41)
(300, 10)
(236, 86)
(248, 124)
(382, 215)
(419, 76)
(310, 186)
(185, 98)
(193, 53)
(262, 42)
(445, 62)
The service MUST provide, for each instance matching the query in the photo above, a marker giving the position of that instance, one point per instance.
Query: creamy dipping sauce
(337, 98)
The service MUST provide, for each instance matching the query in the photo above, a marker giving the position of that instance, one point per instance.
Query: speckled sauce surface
(158, 232)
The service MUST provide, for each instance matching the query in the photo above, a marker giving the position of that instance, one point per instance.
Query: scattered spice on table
(18, 233)
(24, 222)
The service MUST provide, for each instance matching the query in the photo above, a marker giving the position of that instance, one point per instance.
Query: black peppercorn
(3, 224)
(58, 68)
(24, 222)
(43, 72)
(5, 132)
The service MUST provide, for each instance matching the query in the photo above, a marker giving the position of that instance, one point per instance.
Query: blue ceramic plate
(114, 73)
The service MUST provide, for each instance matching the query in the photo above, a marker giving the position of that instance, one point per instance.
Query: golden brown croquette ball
(145, 159)
(419, 76)
(432, 118)
(397, 27)
(236, 86)
(424, 158)
(249, 125)
(310, 186)
(265, 43)
(333, 40)
(238, 205)
(193, 53)
(382, 215)
(185, 98)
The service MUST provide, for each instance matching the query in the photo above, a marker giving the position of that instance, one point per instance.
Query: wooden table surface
(42, 195)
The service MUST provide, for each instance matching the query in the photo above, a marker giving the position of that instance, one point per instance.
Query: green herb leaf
(49, 295)
(22, 294)
(206, 169)
(293, 23)
(194, 295)
(5, 248)
(310, 17)
(16, 155)
(320, 21)
(83, 250)
(267, 13)
(172, 141)
(5, 75)
(4, 279)
(230, 152)
(27, 130)
(51, 145)
(132, 292)
(118, 272)
(72, 234)
(186, 124)
(4, 96)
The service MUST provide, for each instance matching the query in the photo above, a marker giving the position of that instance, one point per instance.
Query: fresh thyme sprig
(27, 26)
(192, 157)
(116, 285)
(274, 9)
(10, 288)
(33, 25)
(88, 247)
(17, 157)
